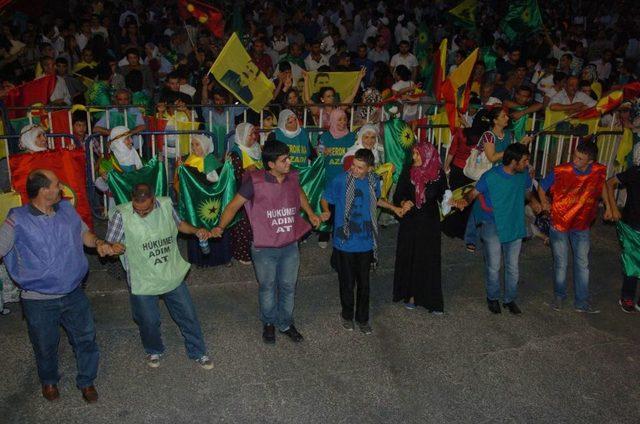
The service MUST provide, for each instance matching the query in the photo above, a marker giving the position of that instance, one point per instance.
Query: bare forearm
(186, 228)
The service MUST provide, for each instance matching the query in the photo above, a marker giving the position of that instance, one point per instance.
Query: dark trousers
(353, 273)
(629, 285)
(73, 313)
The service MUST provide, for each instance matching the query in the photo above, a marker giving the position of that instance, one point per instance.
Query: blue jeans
(493, 250)
(470, 232)
(579, 241)
(277, 273)
(73, 312)
(146, 314)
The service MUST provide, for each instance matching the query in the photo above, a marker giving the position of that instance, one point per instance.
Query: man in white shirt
(570, 100)
(315, 59)
(60, 94)
(406, 58)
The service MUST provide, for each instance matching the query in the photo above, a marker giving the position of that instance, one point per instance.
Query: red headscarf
(428, 171)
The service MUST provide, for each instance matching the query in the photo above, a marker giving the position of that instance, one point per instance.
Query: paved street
(467, 366)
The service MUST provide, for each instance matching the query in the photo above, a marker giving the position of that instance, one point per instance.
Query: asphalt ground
(467, 366)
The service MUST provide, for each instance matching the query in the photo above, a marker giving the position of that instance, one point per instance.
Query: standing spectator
(379, 53)
(406, 58)
(315, 59)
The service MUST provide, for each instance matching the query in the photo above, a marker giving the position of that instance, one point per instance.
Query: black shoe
(269, 334)
(512, 307)
(494, 306)
(293, 334)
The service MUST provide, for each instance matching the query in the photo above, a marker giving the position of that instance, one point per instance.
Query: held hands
(107, 249)
(202, 234)
(315, 220)
(216, 232)
(459, 204)
(325, 216)
(612, 215)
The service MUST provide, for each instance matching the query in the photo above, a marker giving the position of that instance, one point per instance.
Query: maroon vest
(274, 211)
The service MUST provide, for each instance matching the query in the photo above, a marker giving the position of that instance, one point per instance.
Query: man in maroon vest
(272, 198)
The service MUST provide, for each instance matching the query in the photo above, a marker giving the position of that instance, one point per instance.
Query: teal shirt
(299, 146)
(334, 150)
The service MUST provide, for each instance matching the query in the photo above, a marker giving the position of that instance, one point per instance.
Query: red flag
(37, 91)
(70, 168)
(157, 124)
(204, 13)
(604, 105)
(631, 90)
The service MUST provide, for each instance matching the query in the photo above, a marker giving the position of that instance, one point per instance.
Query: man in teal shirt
(502, 191)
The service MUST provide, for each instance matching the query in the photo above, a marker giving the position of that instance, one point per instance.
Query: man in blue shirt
(354, 195)
(501, 192)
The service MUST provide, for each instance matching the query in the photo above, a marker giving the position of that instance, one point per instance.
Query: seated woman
(293, 135)
(33, 139)
(204, 163)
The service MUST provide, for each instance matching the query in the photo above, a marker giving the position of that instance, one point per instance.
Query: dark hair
(366, 156)
(132, 50)
(79, 115)
(558, 77)
(526, 88)
(62, 60)
(403, 72)
(320, 75)
(141, 192)
(515, 151)
(134, 80)
(589, 148)
(284, 66)
(272, 150)
(35, 181)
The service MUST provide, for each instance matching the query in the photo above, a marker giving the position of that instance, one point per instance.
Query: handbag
(476, 164)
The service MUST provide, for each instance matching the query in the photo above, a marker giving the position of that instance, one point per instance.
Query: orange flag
(604, 105)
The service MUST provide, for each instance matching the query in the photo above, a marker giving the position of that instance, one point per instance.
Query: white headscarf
(124, 155)
(378, 150)
(28, 136)
(205, 142)
(282, 123)
(242, 134)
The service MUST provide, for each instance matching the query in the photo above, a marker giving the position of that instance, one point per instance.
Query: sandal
(470, 247)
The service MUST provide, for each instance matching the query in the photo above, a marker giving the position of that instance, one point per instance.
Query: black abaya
(417, 269)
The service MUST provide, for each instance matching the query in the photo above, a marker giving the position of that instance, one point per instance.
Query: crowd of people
(140, 59)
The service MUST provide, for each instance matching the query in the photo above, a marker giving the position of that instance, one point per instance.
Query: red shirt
(459, 149)
(263, 63)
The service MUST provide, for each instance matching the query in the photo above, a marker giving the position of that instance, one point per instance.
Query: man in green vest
(144, 231)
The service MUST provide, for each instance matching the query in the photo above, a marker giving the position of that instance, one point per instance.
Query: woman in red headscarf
(416, 279)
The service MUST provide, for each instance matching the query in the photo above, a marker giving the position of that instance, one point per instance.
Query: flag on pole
(457, 89)
(37, 91)
(235, 70)
(204, 13)
(465, 12)
(70, 168)
(312, 181)
(398, 141)
(152, 173)
(604, 105)
(523, 17)
(440, 69)
(200, 202)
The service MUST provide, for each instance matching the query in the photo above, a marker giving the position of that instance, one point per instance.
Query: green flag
(116, 119)
(423, 54)
(398, 141)
(522, 18)
(518, 126)
(489, 58)
(312, 181)
(630, 242)
(465, 13)
(201, 202)
(152, 173)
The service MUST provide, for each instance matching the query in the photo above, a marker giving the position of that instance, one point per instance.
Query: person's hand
(517, 115)
(459, 204)
(526, 140)
(407, 205)
(363, 72)
(117, 249)
(399, 211)
(202, 234)
(216, 232)
(305, 74)
(546, 206)
(205, 80)
(314, 220)
(324, 216)
(536, 207)
(447, 169)
(104, 249)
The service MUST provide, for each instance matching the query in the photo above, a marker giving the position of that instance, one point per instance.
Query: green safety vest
(155, 264)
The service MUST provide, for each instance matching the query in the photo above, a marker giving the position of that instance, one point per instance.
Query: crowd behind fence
(548, 148)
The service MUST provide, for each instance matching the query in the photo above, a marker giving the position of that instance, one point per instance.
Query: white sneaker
(205, 362)
(323, 244)
(153, 360)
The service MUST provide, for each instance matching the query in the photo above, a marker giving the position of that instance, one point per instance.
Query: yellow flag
(235, 70)
(342, 82)
(185, 139)
(3, 141)
(7, 201)
(551, 118)
(462, 73)
(465, 11)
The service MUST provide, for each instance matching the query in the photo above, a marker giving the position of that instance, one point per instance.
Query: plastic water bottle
(204, 247)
